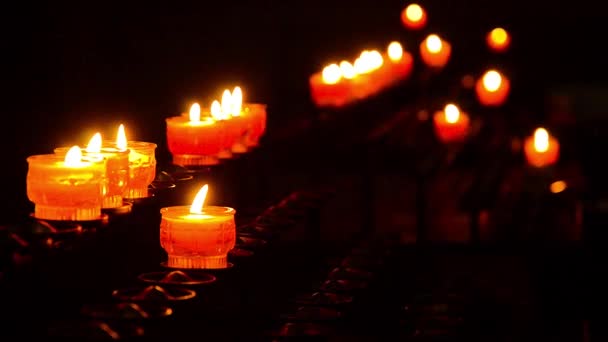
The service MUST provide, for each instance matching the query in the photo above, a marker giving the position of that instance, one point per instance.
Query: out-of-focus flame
(121, 138)
(499, 36)
(195, 112)
(94, 145)
(216, 111)
(199, 200)
(558, 186)
(236, 102)
(433, 43)
(414, 13)
(331, 74)
(226, 102)
(452, 113)
(347, 70)
(73, 158)
(541, 140)
(492, 80)
(395, 51)
(375, 60)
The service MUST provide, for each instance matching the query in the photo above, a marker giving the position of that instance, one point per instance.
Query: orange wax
(200, 240)
(435, 52)
(257, 122)
(492, 89)
(451, 124)
(194, 142)
(541, 149)
(498, 39)
(329, 95)
(117, 173)
(400, 68)
(413, 17)
(64, 191)
(238, 127)
(142, 168)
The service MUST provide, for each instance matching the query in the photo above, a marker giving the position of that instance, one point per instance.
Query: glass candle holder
(63, 192)
(197, 240)
(256, 113)
(142, 168)
(117, 173)
(194, 143)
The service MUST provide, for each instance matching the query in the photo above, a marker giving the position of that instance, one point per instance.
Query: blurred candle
(413, 17)
(400, 62)
(66, 188)
(435, 52)
(541, 149)
(327, 88)
(142, 164)
(498, 40)
(451, 124)
(192, 140)
(492, 89)
(197, 236)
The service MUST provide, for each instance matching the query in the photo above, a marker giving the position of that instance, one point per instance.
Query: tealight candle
(328, 87)
(238, 124)
(451, 124)
(435, 52)
(197, 236)
(257, 114)
(400, 62)
(492, 89)
(498, 39)
(193, 140)
(541, 149)
(142, 164)
(67, 188)
(413, 17)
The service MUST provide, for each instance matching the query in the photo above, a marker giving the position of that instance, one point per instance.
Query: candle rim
(207, 210)
(54, 158)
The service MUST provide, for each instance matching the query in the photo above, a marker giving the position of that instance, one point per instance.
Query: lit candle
(197, 236)
(451, 124)
(68, 188)
(498, 39)
(401, 62)
(541, 149)
(231, 106)
(413, 17)
(435, 52)
(492, 88)
(142, 164)
(328, 88)
(192, 140)
(117, 169)
(369, 78)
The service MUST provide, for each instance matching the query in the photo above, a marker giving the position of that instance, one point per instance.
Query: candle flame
(558, 186)
(199, 200)
(499, 36)
(492, 80)
(331, 74)
(375, 59)
(414, 12)
(237, 101)
(347, 70)
(94, 145)
(121, 138)
(226, 102)
(73, 157)
(433, 43)
(541, 140)
(395, 51)
(216, 111)
(195, 112)
(452, 113)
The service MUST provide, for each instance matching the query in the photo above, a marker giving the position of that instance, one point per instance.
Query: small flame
(121, 138)
(541, 140)
(94, 145)
(199, 200)
(452, 113)
(73, 157)
(558, 186)
(216, 111)
(237, 102)
(195, 112)
(395, 51)
(414, 13)
(331, 74)
(375, 59)
(433, 43)
(492, 80)
(226, 102)
(347, 70)
(499, 36)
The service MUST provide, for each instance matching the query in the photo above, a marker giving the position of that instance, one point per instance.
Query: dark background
(71, 70)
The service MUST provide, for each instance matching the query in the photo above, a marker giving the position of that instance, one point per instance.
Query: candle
(68, 188)
(194, 141)
(498, 40)
(492, 89)
(142, 164)
(197, 236)
(401, 62)
(257, 128)
(451, 124)
(435, 52)
(327, 88)
(413, 17)
(231, 106)
(541, 149)
(368, 78)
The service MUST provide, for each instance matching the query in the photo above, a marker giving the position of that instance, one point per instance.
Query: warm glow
(499, 36)
(395, 51)
(492, 80)
(375, 59)
(121, 138)
(362, 63)
(226, 102)
(331, 74)
(199, 200)
(541, 140)
(74, 157)
(216, 110)
(558, 186)
(433, 43)
(347, 70)
(195, 112)
(237, 102)
(452, 113)
(414, 12)
(94, 145)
